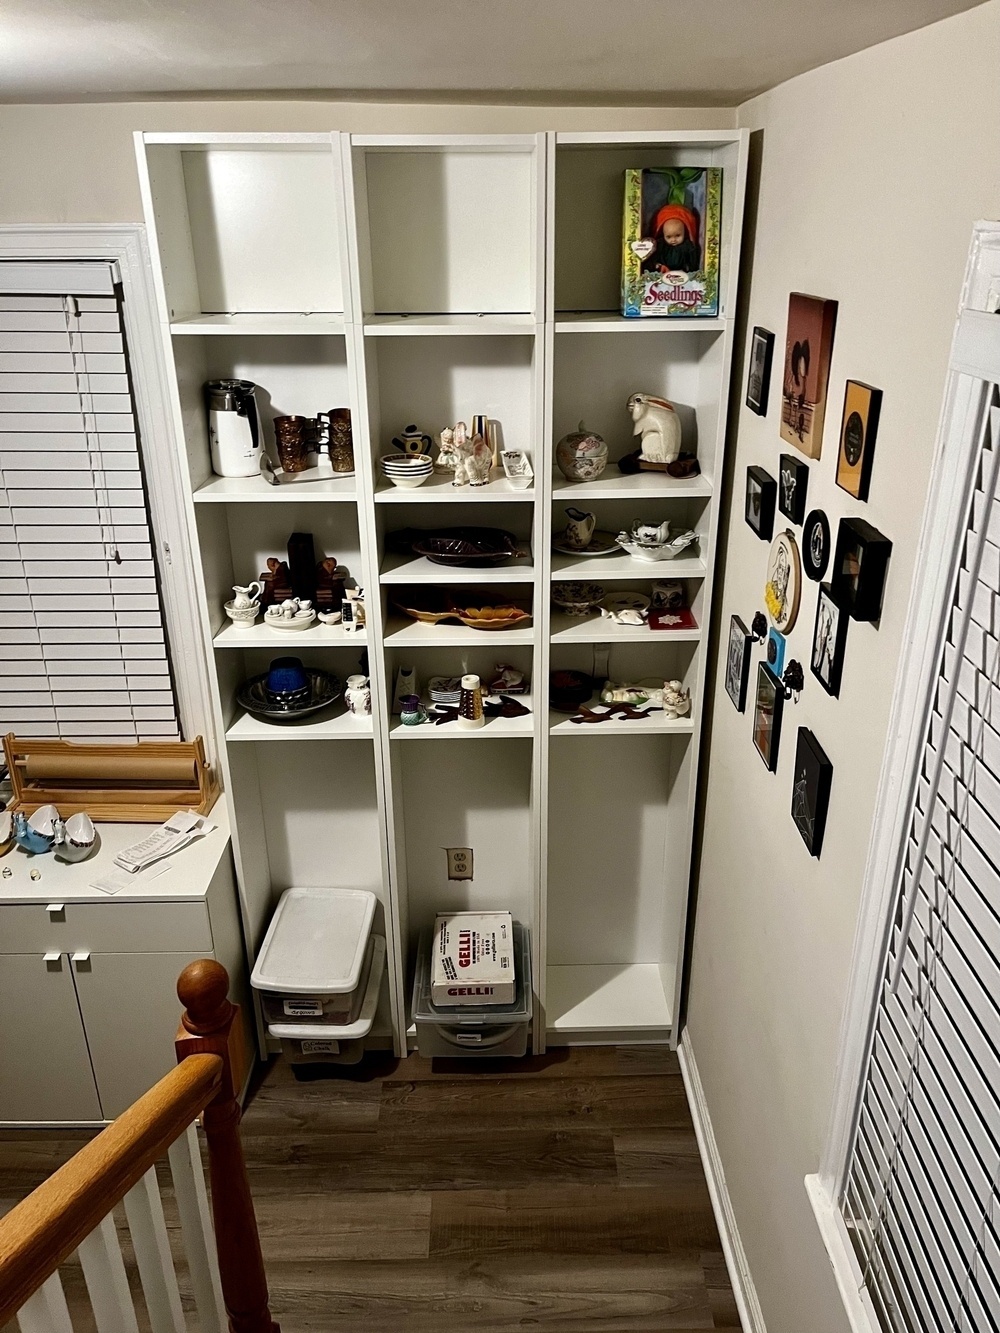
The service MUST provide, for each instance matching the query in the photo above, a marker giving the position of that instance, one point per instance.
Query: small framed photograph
(808, 351)
(829, 641)
(859, 567)
(774, 651)
(738, 663)
(759, 372)
(858, 429)
(793, 483)
(811, 784)
(768, 704)
(816, 545)
(760, 497)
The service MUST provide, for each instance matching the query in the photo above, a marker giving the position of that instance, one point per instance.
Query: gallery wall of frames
(456, 539)
(848, 564)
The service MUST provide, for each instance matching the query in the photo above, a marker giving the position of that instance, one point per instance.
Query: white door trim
(125, 243)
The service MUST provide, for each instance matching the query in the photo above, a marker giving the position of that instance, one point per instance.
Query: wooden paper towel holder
(141, 783)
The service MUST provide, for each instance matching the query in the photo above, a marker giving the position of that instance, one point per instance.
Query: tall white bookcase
(423, 279)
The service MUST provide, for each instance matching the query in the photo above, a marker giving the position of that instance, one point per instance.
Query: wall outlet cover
(459, 862)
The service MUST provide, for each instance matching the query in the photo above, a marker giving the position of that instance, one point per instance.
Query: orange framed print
(858, 429)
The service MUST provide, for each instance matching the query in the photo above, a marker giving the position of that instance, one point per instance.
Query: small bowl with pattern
(576, 599)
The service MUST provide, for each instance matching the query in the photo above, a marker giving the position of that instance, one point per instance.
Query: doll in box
(677, 252)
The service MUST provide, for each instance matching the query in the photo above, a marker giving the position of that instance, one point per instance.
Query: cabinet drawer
(106, 928)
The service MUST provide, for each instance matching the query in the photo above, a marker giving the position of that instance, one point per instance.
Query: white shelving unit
(423, 279)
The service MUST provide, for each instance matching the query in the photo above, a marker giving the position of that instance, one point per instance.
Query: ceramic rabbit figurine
(658, 424)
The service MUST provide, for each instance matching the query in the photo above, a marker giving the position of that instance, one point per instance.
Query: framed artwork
(806, 376)
(858, 429)
(738, 663)
(859, 566)
(759, 372)
(793, 483)
(768, 703)
(816, 545)
(829, 641)
(761, 494)
(774, 651)
(811, 782)
(783, 588)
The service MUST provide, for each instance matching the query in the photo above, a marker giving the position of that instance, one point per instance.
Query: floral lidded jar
(582, 455)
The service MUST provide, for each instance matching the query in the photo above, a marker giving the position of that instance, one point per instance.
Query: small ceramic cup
(412, 711)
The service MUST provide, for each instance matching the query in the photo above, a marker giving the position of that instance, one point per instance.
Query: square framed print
(761, 494)
(793, 485)
(738, 662)
(858, 429)
(759, 371)
(860, 562)
(806, 378)
(829, 641)
(768, 703)
(811, 783)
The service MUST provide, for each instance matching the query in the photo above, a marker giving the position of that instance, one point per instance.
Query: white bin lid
(316, 942)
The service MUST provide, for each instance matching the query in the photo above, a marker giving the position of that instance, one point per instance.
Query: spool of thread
(470, 704)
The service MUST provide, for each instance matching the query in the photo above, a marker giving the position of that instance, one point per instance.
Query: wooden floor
(560, 1193)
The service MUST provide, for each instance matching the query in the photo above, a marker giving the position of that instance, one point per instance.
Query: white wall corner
(751, 1315)
(843, 1260)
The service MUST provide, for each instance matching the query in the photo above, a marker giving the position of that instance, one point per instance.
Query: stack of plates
(444, 689)
(407, 470)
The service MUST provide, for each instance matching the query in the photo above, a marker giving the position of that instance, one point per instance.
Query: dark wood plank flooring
(562, 1193)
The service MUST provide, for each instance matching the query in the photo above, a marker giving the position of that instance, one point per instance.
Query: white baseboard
(744, 1290)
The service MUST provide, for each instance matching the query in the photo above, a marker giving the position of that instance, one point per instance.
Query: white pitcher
(244, 597)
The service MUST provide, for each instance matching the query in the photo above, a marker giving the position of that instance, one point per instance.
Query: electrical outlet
(459, 862)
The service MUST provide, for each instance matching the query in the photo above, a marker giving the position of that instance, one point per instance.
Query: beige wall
(76, 163)
(873, 172)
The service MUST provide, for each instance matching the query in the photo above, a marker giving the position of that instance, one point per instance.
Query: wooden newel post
(210, 1025)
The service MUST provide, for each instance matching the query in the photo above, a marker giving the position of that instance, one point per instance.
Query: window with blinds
(921, 1197)
(83, 653)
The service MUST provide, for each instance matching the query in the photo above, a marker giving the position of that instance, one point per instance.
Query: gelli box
(472, 960)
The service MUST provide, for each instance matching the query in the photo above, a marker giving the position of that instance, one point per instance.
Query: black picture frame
(826, 657)
(812, 779)
(759, 370)
(738, 663)
(769, 699)
(793, 486)
(859, 568)
(761, 495)
(858, 433)
(815, 545)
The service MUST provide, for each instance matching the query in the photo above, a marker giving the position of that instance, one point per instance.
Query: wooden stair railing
(72, 1208)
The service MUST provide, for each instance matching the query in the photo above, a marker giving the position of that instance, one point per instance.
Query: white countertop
(190, 870)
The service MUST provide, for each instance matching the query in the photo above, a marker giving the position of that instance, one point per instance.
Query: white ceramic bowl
(242, 617)
(407, 472)
(653, 552)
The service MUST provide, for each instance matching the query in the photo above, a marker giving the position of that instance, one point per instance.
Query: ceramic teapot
(413, 441)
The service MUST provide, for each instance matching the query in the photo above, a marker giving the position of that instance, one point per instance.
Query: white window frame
(125, 244)
(975, 356)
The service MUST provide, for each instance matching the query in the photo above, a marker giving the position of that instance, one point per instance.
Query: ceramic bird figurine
(37, 834)
(75, 839)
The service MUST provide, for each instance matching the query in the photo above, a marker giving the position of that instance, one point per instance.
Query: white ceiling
(638, 52)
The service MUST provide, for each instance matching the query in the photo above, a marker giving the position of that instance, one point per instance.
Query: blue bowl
(287, 681)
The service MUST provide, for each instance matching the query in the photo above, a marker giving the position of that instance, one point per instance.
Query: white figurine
(676, 699)
(447, 459)
(475, 459)
(657, 422)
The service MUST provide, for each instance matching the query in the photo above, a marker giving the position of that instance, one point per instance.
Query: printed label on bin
(301, 1007)
(320, 1047)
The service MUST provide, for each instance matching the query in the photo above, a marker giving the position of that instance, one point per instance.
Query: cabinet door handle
(52, 961)
(56, 911)
(81, 960)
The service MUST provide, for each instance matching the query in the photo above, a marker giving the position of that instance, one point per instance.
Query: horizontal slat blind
(82, 647)
(921, 1198)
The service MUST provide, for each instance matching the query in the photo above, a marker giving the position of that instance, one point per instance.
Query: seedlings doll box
(670, 246)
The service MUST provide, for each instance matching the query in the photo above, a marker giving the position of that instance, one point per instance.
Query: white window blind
(921, 1196)
(83, 653)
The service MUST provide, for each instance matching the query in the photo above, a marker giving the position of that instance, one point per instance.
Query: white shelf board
(281, 325)
(590, 568)
(606, 321)
(615, 485)
(255, 490)
(566, 629)
(654, 724)
(402, 633)
(336, 727)
(439, 489)
(445, 325)
(496, 728)
(418, 569)
(260, 635)
(589, 997)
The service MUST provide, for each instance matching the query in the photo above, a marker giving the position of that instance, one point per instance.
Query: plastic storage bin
(309, 969)
(315, 1043)
(473, 1030)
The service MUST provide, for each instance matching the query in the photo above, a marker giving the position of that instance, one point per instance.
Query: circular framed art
(784, 582)
(816, 545)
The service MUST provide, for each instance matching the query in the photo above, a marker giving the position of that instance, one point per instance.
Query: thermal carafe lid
(229, 395)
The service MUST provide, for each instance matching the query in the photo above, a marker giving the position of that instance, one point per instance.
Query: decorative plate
(467, 548)
(324, 689)
(784, 582)
(601, 543)
(816, 545)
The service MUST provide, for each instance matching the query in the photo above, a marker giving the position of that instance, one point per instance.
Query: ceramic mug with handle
(579, 529)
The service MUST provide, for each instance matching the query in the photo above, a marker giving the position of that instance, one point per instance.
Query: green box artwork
(670, 242)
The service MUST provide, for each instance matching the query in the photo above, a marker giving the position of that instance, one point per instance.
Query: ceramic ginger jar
(582, 455)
